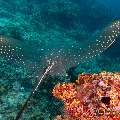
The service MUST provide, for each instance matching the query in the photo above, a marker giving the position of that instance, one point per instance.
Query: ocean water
(43, 42)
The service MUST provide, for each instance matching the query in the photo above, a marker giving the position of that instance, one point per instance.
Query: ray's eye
(105, 100)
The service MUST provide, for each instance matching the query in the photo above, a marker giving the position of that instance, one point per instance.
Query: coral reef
(92, 97)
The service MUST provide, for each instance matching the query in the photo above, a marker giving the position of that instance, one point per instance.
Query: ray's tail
(18, 116)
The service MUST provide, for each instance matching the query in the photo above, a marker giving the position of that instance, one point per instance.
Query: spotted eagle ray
(58, 59)
(64, 54)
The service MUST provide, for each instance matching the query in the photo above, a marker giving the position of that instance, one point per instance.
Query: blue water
(35, 33)
(113, 6)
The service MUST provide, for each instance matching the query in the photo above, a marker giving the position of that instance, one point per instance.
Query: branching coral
(93, 97)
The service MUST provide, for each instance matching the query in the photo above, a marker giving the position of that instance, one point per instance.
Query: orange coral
(64, 91)
(94, 97)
